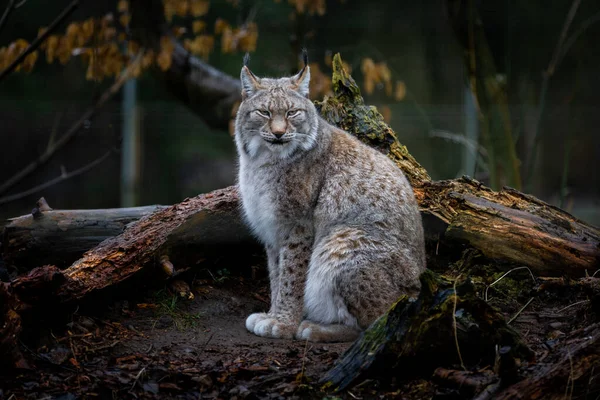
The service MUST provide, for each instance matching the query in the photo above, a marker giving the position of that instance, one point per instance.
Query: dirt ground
(160, 343)
(165, 346)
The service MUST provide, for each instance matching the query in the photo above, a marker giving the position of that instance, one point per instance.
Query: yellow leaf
(51, 47)
(3, 63)
(136, 71)
(148, 58)
(198, 26)
(123, 6)
(227, 41)
(169, 10)
(367, 66)
(124, 19)
(72, 29)
(87, 28)
(29, 61)
(132, 48)
(199, 8)
(220, 26)
(386, 112)
(166, 44)
(369, 86)
(400, 91)
(90, 74)
(328, 58)
(182, 8)
(164, 60)
(178, 31)
(202, 45)
(108, 33)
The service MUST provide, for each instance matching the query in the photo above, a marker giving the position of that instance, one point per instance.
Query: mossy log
(446, 325)
(507, 226)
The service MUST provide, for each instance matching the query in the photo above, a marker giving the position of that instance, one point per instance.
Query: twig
(63, 177)
(573, 38)
(571, 379)
(546, 77)
(462, 364)
(40, 39)
(594, 274)
(520, 311)
(207, 342)
(502, 277)
(303, 361)
(137, 377)
(9, 8)
(73, 130)
(460, 139)
(572, 305)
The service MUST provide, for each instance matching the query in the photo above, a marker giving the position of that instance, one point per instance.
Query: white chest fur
(259, 204)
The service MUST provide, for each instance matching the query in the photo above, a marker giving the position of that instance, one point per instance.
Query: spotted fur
(339, 220)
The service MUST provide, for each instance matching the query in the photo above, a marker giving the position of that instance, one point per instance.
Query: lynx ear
(250, 83)
(302, 79)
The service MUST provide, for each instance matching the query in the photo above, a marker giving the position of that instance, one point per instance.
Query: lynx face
(275, 115)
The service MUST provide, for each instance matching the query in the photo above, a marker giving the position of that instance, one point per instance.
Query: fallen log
(60, 237)
(447, 325)
(179, 235)
(507, 226)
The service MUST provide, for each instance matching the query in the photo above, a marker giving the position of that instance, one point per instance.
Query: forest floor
(154, 344)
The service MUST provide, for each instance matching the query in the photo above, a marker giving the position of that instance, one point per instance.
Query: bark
(60, 237)
(208, 92)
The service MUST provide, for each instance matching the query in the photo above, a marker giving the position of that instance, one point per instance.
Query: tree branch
(73, 130)
(208, 92)
(9, 8)
(63, 177)
(40, 39)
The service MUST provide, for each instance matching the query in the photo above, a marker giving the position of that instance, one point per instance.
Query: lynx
(339, 221)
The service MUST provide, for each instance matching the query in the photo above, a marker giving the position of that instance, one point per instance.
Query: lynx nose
(278, 135)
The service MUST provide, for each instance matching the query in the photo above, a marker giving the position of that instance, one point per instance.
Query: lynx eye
(264, 113)
(293, 113)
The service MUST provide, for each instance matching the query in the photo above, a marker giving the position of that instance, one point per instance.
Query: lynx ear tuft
(302, 79)
(250, 83)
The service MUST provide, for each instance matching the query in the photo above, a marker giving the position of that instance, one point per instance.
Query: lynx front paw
(270, 326)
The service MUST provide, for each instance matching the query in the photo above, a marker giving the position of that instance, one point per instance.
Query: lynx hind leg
(314, 332)
(352, 280)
